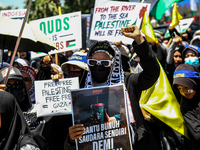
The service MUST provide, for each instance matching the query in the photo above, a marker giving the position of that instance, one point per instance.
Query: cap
(14, 74)
(186, 75)
(79, 59)
(194, 48)
(102, 46)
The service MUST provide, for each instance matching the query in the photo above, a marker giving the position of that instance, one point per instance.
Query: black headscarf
(189, 82)
(12, 122)
(24, 104)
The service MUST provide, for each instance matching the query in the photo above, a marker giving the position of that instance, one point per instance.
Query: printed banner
(182, 27)
(64, 30)
(102, 110)
(53, 98)
(16, 13)
(110, 16)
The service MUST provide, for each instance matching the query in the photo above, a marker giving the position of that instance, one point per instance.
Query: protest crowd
(161, 93)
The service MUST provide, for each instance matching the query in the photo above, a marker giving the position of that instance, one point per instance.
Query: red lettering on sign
(101, 10)
(128, 8)
(114, 8)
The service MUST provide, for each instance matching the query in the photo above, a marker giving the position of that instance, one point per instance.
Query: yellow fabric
(59, 10)
(175, 17)
(160, 101)
(147, 29)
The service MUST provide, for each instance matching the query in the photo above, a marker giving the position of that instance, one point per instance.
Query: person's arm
(171, 49)
(151, 68)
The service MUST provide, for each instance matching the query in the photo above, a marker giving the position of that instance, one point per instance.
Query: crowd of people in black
(138, 69)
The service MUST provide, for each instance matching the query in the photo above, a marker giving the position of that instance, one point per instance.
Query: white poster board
(110, 16)
(64, 30)
(182, 27)
(54, 98)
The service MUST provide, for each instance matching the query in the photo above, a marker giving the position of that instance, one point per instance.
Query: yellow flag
(175, 17)
(147, 29)
(160, 101)
(59, 10)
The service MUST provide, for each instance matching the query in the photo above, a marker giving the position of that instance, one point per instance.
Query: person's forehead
(100, 55)
(11, 81)
(190, 51)
(24, 74)
(177, 53)
(70, 65)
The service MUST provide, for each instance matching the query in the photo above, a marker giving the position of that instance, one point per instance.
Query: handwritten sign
(54, 98)
(63, 30)
(110, 16)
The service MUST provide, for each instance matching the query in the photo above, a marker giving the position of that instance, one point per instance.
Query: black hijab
(25, 103)
(12, 122)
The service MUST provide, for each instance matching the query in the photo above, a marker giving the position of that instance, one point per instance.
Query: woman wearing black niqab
(13, 124)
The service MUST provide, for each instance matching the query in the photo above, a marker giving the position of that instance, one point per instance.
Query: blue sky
(16, 3)
(20, 4)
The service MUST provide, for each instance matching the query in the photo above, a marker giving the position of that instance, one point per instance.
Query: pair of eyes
(191, 55)
(182, 88)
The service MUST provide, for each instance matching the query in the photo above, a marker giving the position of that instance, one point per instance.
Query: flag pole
(18, 41)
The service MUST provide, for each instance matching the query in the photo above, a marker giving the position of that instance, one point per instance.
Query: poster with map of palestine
(102, 111)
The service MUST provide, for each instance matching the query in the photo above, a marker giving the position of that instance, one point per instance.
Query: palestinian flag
(71, 43)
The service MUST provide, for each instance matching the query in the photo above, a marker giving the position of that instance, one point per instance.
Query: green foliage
(42, 8)
(80, 5)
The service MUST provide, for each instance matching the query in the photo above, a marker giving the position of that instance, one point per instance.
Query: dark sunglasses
(17, 85)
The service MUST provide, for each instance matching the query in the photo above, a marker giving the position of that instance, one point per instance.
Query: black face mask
(74, 74)
(17, 91)
(100, 73)
(19, 94)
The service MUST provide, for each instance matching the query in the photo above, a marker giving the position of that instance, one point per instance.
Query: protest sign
(15, 13)
(64, 30)
(53, 98)
(110, 16)
(182, 27)
(102, 110)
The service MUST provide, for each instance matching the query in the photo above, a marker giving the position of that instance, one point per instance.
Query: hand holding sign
(133, 32)
(76, 131)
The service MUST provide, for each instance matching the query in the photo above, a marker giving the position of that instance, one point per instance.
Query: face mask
(19, 94)
(74, 74)
(194, 61)
(100, 73)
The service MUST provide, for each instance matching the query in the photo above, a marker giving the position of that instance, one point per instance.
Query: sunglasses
(17, 85)
(93, 62)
